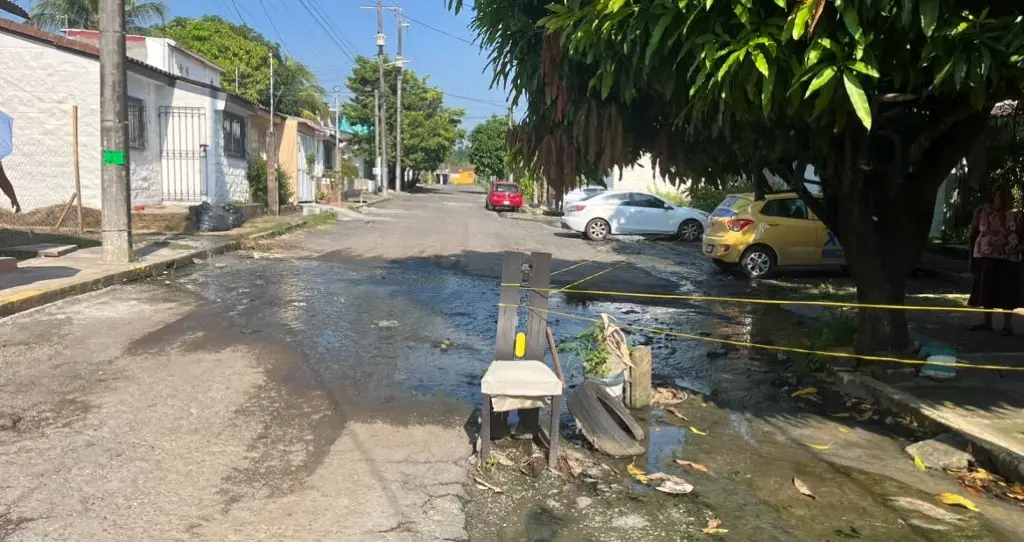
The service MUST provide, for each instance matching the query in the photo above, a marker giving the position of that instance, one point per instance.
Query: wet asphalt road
(299, 391)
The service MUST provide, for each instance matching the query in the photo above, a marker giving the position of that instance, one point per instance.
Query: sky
(437, 42)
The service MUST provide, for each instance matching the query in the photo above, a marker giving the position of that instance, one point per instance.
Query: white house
(161, 53)
(188, 138)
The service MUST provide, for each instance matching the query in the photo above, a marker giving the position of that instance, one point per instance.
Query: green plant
(707, 196)
(257, 177)
(321, 194)
(838, 329)
(589, 347)
(310, 163)
(674, 197)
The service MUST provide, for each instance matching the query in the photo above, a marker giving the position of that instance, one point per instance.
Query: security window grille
(234, 135)
(136, 124)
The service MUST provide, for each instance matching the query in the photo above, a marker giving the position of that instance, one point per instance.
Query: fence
(44, 170)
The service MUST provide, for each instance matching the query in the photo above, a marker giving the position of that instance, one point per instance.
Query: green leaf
(614, 5)
(824, 98)
(852, 22)
(819, 81)
(813, 54)
(607, 78)
(959, 71)
(802, 16)
(656, 36)
(766, 93)
(760, 61)
(858, 99)
(864, 68)
(781, 3)
(709, 4)
(929, 15)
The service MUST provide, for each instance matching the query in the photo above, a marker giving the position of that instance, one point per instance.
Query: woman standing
(996, 259)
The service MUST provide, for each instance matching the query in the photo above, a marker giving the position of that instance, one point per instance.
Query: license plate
(708, 249)
(506, 203)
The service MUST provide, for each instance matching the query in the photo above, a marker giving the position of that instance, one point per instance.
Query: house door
(306, 188)
(183, 146)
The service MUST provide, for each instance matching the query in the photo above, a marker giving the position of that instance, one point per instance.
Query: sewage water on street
(382, 333)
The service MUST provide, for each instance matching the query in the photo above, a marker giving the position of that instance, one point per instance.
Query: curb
(360, 206)
(24, 301)
(1009, 463)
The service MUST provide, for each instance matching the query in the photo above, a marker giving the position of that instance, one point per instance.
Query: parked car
(504, 196)
(582, 192)
(761, 236)
(632, 213)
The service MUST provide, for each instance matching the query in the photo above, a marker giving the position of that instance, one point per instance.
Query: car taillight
(737, 224)
(576, 208)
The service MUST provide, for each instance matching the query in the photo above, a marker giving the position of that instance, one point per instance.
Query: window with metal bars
(235, 135)
(136, 124)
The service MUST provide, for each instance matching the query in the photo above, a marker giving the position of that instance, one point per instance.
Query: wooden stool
(516, 385)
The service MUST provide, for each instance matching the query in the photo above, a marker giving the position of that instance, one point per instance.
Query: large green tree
(242, 50)
(882, 97)
(430, 130)
(55, 14)
(488, 147)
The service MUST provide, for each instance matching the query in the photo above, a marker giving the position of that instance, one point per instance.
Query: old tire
(758, 261)
(597, 229)
(690, 231)
(605, 422)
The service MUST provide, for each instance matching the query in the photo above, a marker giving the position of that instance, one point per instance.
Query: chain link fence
(42, 170)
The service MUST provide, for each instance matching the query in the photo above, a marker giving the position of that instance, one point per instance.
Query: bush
(674, 197)
(257, 177)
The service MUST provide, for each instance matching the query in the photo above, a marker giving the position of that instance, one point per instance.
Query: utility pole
(383, 94)
(398, 106)
(115, 168)
(236, 80)
(511, 176)
(273, 205)
(376, 137)
(337, 130)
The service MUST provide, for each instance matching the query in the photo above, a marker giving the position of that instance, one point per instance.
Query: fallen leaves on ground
(865, 416)
(675, 412)
(483, 484)
(982, 483)
(696, 431)
(920, 464)
(670, 484)
(802, 488)
(692, 465)
(640, 475)
(820, 447)
(805, 391)
(668, 396)
(843, 429)
(953, 499)
(714, 526)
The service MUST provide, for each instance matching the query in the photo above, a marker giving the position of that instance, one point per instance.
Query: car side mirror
(669, 207)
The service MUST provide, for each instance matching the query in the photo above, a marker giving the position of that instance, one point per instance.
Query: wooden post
(536, 326)
(74, 157)
(638, 385)
(508, 319)
(64, 214)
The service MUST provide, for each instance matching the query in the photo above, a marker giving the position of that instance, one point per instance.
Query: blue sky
(436, 42)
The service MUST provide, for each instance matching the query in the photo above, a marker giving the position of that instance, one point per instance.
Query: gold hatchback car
(760, 236)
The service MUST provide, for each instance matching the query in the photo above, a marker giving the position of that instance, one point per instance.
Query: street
(297, 390)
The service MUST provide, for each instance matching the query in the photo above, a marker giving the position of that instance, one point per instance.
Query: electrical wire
(439, 31)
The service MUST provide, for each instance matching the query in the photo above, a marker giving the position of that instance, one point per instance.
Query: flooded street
(355, 354)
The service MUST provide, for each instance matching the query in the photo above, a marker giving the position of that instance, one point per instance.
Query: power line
(316, 6)
(326, 30)
(439, 31)
(488, 102)
(274, 26)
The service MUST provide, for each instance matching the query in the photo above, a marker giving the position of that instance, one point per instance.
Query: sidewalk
(39, 281)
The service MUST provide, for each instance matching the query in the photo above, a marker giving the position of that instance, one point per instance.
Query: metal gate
(305, 183)
(183, 146)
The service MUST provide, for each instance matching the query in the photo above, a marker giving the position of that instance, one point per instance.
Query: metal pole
(273, 205)
(116, 174)
(383, 94)
(236, 79)
(337, 132)
(398, 105)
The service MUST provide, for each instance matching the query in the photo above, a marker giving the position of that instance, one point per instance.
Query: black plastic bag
(210, 218)
(236, 215)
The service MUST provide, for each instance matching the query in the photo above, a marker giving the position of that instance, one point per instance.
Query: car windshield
(507, 188)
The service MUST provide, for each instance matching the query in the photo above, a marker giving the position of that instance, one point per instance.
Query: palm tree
(56, 14)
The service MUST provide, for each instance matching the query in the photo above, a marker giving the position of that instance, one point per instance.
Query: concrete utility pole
(337, 130)
(376, 138)
(116, 173)
(383, 95)
(273, 203)
(398, 106)
(511, 176)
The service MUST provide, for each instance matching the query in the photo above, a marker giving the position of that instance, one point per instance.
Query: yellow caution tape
(656, 331)
(595, 275)
(571, 267)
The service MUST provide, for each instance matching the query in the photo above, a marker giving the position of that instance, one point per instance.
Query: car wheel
(487, 205)
(723, 265)
(690, 230)
(758, 261)
(597, 229)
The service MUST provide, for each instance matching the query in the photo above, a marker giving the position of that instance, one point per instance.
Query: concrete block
(946, 451)
(8, 264)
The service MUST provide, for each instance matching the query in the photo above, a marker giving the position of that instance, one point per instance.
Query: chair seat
(523, 378)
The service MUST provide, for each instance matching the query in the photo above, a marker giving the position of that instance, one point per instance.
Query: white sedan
(580, 193)
(633, 213)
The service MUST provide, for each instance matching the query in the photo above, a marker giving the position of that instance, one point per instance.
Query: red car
(504, 196)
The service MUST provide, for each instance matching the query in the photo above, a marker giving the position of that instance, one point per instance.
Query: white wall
(640, 176)
(38, 87)
(167, 55)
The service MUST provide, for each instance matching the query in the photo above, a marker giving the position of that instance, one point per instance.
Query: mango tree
(882, 97)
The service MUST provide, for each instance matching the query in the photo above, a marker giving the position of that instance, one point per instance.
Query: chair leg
(553, 433)
(485, 429)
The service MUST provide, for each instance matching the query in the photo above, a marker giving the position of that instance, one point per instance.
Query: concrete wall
(167, 55)
(288, 153)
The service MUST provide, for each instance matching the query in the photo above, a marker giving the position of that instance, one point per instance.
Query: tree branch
(937, 129)
(795, 178)
(939, 159)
